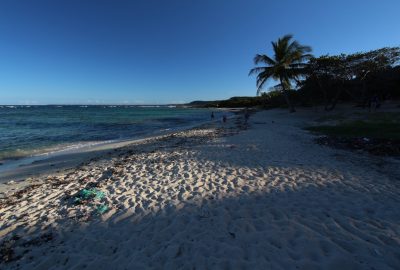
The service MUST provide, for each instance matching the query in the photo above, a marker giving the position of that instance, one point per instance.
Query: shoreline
(263, 192)
(17, 170)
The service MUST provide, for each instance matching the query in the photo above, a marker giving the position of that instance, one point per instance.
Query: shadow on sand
(307, 228)
(283, 224)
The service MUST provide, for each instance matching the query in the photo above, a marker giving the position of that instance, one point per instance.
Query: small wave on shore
(43, 130)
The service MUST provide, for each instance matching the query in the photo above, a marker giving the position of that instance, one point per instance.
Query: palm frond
(264, 76)
(260, 85)
(305, 57)
(256, 70)
(262, 58)
(294, 46)
(297, 65)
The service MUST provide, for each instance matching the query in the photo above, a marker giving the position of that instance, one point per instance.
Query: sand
(262, 196)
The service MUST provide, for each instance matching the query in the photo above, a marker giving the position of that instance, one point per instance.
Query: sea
(27, 131)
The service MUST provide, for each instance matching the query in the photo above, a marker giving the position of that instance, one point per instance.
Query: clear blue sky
(159, 51)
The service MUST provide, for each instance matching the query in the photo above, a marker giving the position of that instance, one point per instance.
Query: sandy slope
(265, 198)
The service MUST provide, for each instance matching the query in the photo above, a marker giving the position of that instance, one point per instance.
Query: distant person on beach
(212, 115)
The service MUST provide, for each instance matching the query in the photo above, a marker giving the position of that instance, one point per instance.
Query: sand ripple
(266, 198)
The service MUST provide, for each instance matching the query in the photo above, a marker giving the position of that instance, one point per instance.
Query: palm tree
(287, 64)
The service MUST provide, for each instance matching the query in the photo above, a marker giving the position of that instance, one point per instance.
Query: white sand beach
(215, 197)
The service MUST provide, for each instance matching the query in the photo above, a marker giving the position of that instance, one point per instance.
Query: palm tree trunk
(286, 95)
(324, 93)
(364, 94)
(336, 98)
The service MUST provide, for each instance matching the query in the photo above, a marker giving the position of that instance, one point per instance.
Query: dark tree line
(327, 80)
(354, 77)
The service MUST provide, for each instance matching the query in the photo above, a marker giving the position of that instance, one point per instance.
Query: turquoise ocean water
(37, 130)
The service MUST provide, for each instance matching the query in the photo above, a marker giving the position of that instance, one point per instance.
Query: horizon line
(105, 104)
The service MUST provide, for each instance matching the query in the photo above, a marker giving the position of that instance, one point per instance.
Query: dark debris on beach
(378, 147)
(17, 196)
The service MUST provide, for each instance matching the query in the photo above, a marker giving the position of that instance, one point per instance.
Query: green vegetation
(377, 126)
(268, 100)
(361, 129)
(234, 102)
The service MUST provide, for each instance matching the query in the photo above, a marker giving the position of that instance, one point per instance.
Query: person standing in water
(212, 115)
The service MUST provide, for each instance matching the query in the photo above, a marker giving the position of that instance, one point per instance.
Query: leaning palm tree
(287, 64)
